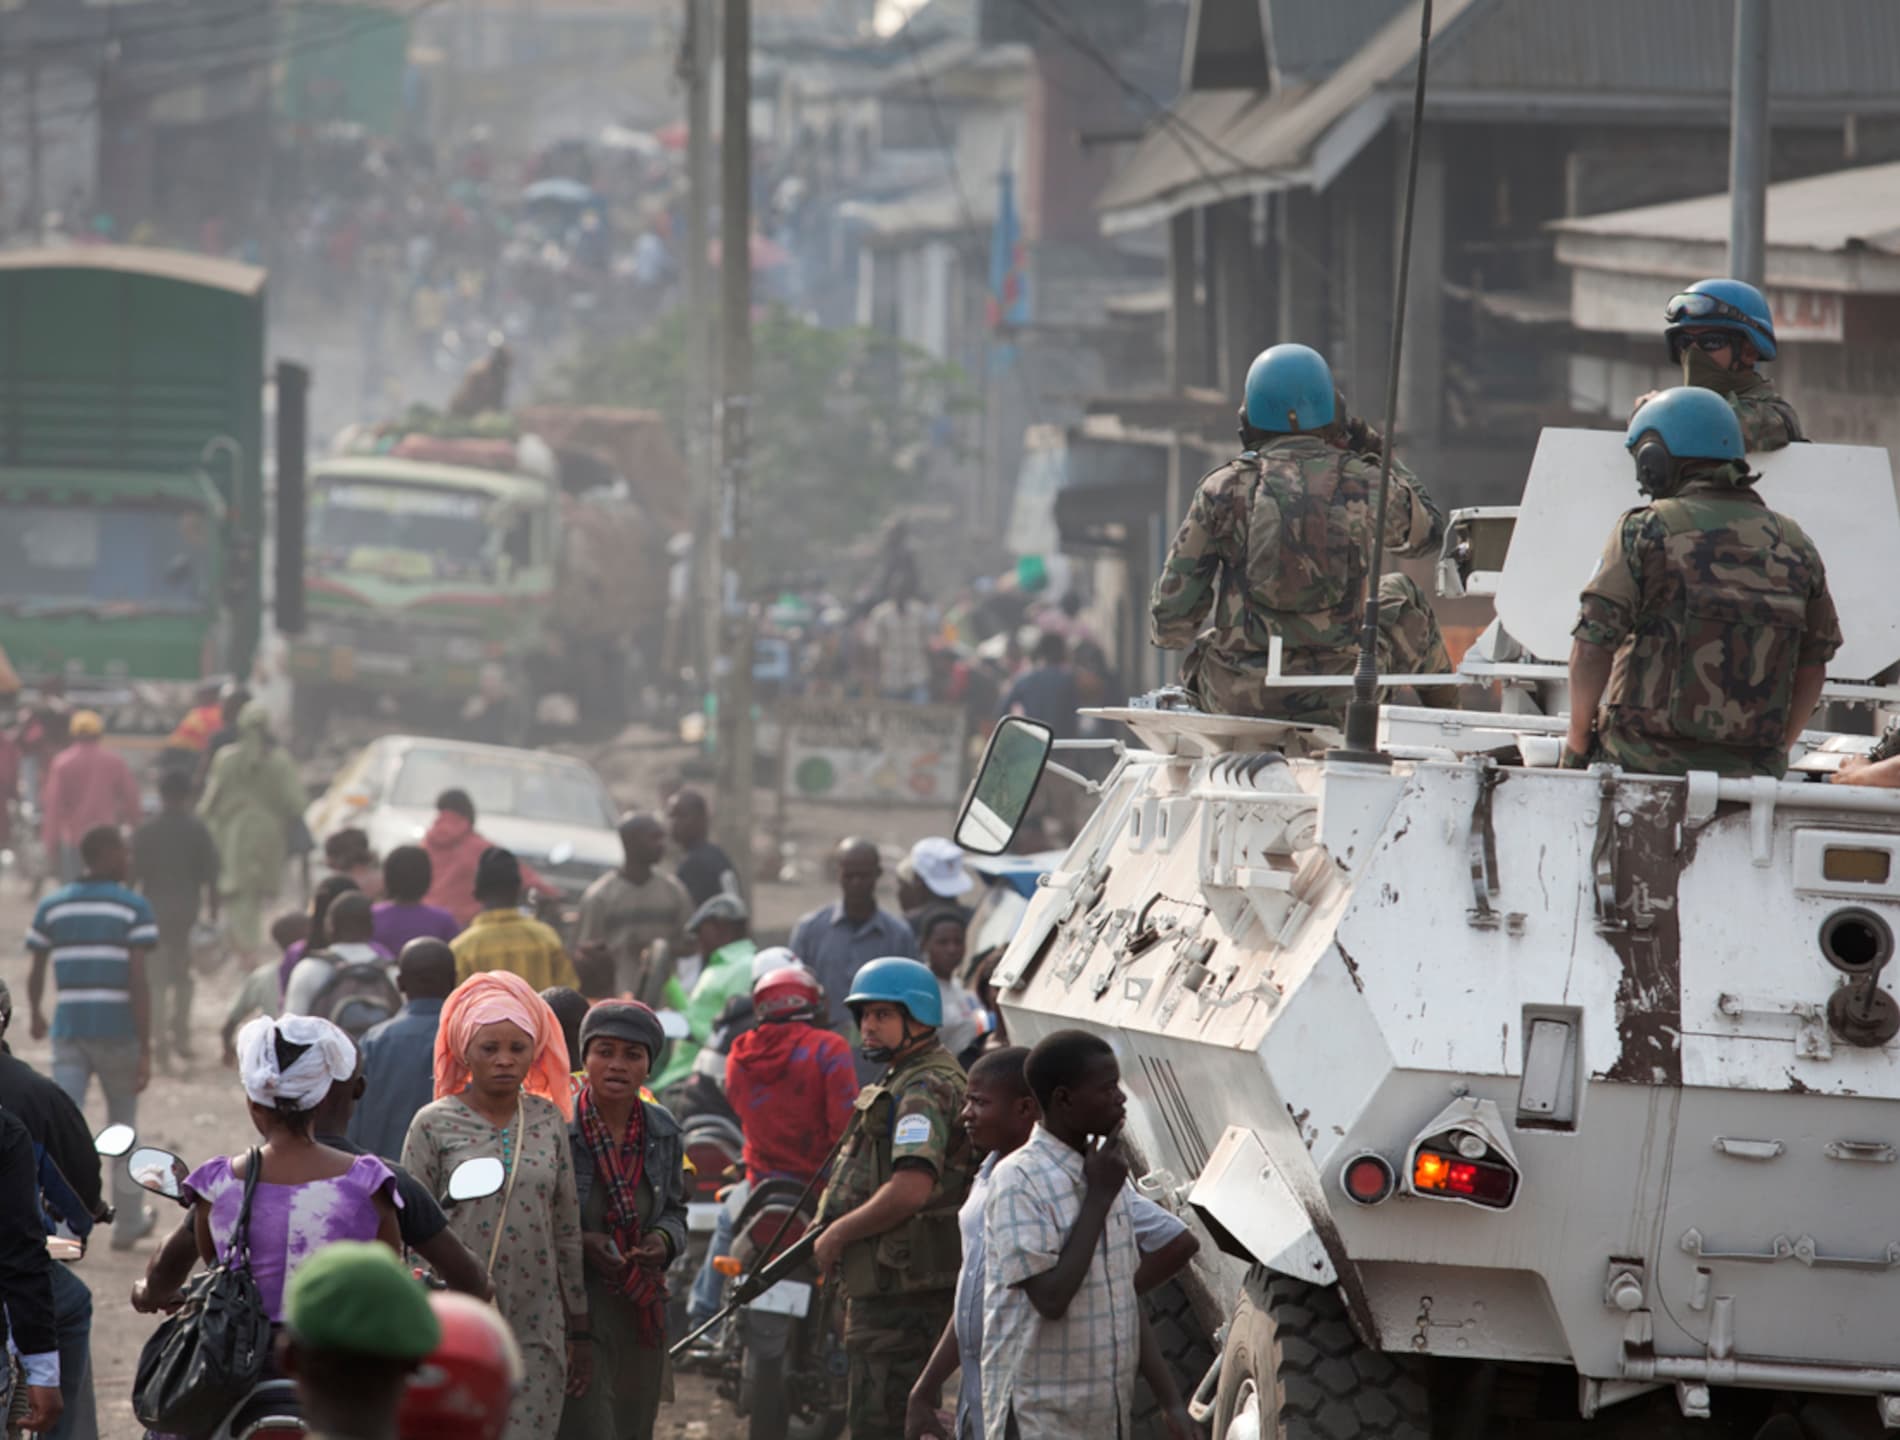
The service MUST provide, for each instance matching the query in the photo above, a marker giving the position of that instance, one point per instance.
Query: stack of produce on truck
(131, 476)
(464, 570)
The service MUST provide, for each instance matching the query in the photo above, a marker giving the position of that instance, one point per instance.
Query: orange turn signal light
(1487, 1182)
(728, 1265)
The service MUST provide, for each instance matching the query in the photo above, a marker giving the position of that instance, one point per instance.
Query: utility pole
(696, 69)
(1748, 144)
(735, 275)
(35, 165)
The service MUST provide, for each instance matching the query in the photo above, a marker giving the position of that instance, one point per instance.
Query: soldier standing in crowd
(901, 1177)
(1275, 546)
(1706, 631)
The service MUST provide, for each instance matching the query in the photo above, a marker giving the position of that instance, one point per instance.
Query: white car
(553, 811)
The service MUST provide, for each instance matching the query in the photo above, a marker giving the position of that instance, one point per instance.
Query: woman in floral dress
(501, 1084)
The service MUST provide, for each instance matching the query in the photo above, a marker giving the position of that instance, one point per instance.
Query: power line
(1185, 130)
(196, 71)
(945, 141)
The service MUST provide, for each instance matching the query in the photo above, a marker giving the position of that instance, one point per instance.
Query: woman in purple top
(407, 876)
(307, 1194)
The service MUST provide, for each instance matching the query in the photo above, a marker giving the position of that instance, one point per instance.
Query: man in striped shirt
(96, 932)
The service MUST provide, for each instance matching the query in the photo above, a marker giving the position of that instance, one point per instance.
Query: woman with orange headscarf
(501, 1086)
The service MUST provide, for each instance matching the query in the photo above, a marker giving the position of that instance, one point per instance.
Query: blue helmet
(1721, 305)
(897, 981)
(1686, 423)
(1289, 388)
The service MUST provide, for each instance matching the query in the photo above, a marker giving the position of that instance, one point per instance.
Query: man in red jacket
(793, 1086)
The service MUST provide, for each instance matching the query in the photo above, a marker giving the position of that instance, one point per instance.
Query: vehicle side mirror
(114, 1141)
(159, 1171)
(475, 1180)
(1005, 785)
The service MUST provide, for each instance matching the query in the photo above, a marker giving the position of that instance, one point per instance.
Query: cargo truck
(132, 495)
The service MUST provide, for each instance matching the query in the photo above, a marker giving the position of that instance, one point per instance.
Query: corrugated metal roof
(230, 275)
(1309, 39)
(1272, 139)
(1822, 49)
(1844, 210)
(1173, 154)
(1524, 58)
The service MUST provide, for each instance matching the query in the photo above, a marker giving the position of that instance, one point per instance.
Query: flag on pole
(1008, 306)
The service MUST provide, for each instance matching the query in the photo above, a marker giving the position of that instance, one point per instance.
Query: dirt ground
(197, 1111)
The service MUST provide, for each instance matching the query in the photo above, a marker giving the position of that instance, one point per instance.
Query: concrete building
(1833, 282)
(1279, 174)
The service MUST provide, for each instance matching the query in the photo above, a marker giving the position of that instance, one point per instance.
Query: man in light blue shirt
(836, 941)
(999, 1115)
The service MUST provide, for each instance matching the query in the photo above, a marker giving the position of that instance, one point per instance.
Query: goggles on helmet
(1692, 305)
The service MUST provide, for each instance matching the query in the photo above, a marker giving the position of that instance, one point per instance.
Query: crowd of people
(416, 1014)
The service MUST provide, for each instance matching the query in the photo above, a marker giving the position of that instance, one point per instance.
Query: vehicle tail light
(1368, 1179)
(774, 1229)
(727, 1265)
(1488, 1182)
(710, 1163)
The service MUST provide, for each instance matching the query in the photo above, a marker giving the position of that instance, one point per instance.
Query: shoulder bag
(207, 1357)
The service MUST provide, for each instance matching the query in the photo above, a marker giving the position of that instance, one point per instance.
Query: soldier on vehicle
(1276, 543)
(1718, 331)
(1707, 628)
(891, 1204)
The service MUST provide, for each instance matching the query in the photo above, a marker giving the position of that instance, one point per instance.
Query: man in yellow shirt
(501, 937)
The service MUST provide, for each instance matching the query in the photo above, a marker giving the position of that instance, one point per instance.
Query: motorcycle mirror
(114, 1141)
(476, 1179)
(561, 853)
(159, 1171)
(673, 1025)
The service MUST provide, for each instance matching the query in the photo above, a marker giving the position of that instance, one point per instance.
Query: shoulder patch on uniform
(912, 1130)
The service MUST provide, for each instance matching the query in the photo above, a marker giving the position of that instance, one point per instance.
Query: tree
(847, 425)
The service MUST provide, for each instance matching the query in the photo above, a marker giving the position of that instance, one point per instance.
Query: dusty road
(197, 1111)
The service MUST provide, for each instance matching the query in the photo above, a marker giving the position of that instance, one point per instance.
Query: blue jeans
(76, 1060)
(709, 1286)
(72, 1317)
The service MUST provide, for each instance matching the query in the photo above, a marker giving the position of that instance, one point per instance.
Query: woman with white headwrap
(307, 1194)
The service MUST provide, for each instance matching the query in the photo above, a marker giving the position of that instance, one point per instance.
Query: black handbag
(204, 1359)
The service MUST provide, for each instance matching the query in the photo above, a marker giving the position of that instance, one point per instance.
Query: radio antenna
(1362, 713)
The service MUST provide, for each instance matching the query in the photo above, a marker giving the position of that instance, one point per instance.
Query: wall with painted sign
(865, 751)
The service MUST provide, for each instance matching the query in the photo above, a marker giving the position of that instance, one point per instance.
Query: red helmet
(463, 1391)
(786, 993)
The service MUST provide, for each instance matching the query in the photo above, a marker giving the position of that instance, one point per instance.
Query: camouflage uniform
(1276, 543)
(1768, 421)
(1711, 602)
(899, 1287)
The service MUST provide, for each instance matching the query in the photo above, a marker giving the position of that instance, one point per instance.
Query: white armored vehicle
(1499, 1091)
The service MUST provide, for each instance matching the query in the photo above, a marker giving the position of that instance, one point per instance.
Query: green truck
(132, 496)
(483, 581)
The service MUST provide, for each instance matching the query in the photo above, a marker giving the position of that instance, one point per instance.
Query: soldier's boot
(1410, 642)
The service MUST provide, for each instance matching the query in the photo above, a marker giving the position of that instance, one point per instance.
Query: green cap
(357, 1296)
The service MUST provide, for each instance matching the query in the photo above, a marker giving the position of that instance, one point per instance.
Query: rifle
(750, 1287)
(755, 1284)
(1887, 746)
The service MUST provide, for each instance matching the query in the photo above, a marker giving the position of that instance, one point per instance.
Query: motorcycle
(272, 1410)
(781, 1362)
